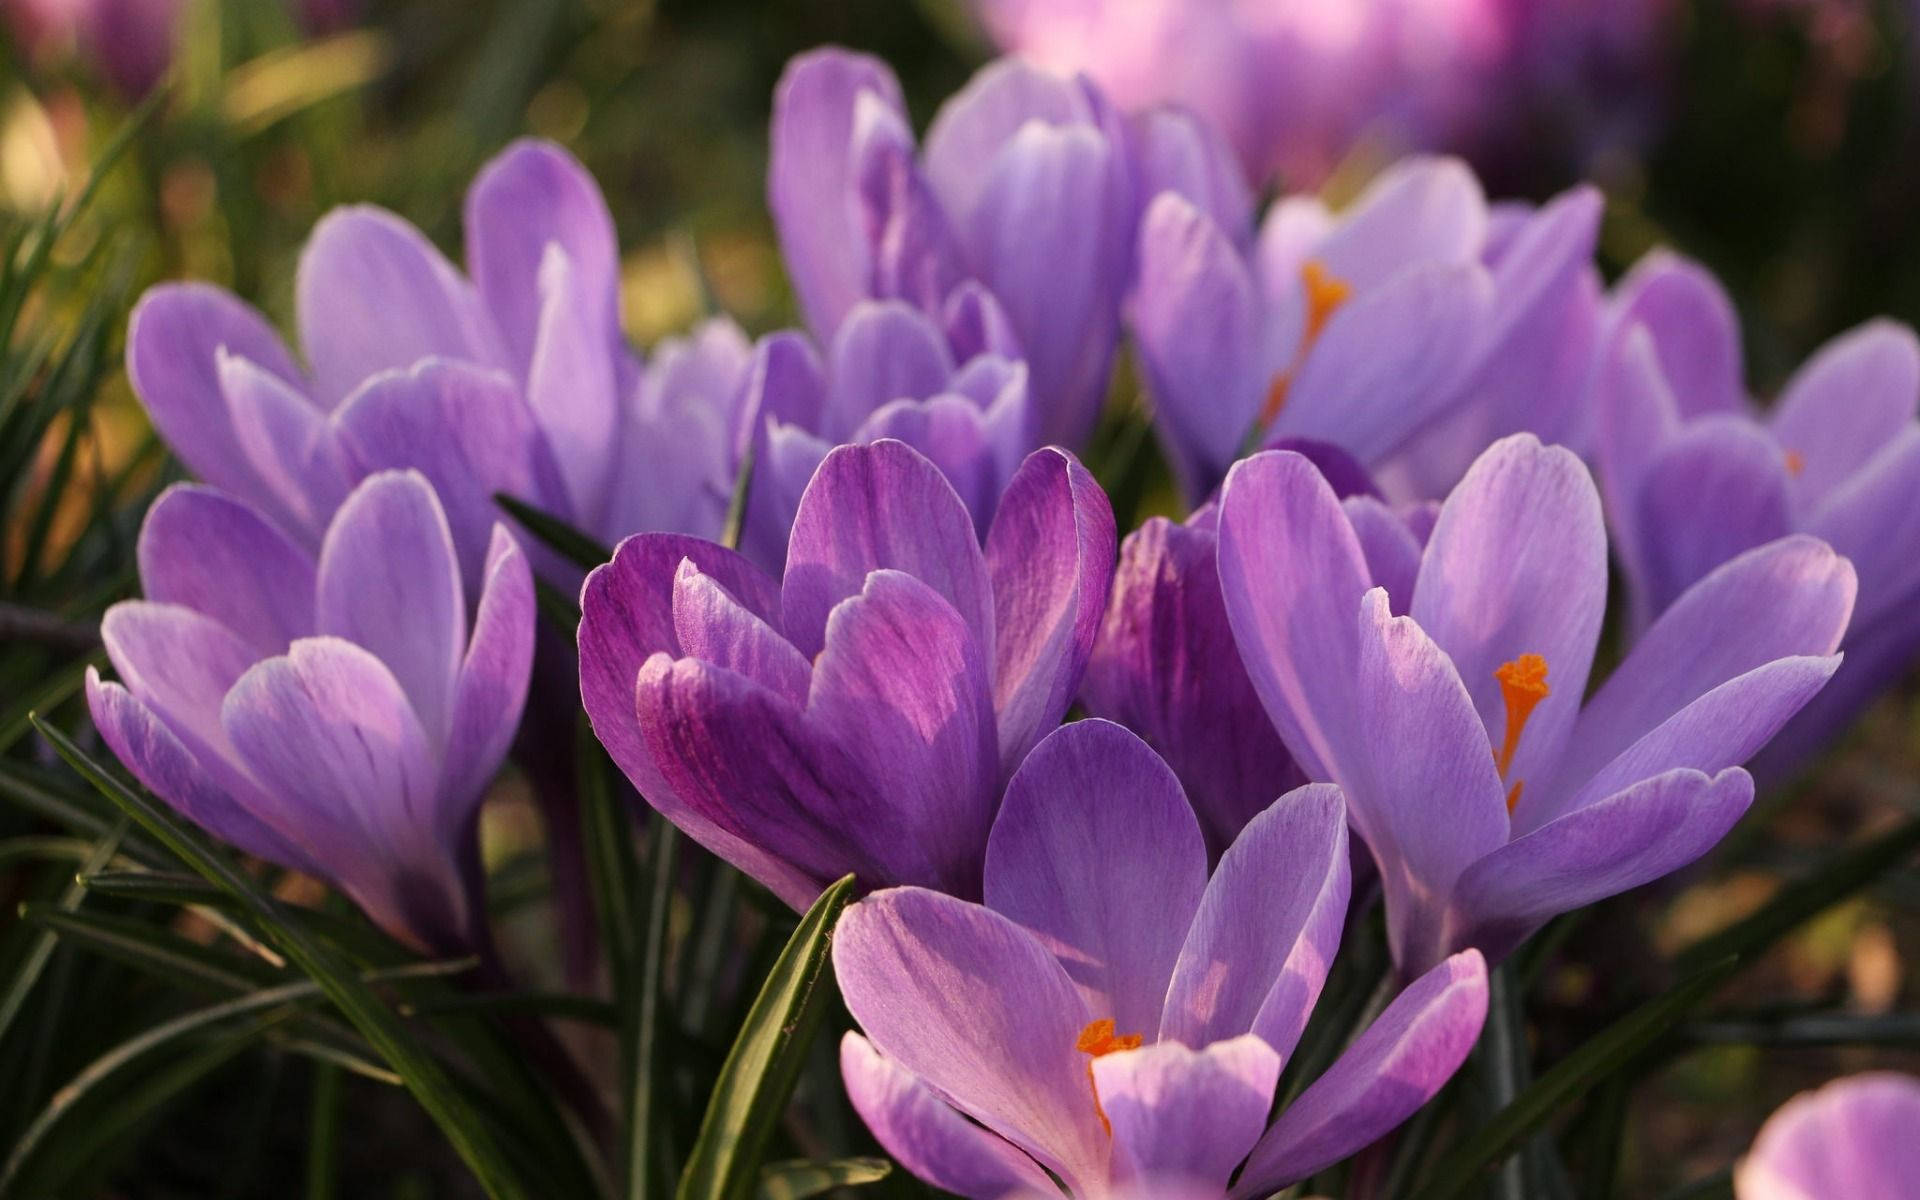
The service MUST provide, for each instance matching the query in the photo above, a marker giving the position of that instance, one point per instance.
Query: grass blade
(799, 1180)
(563, 539)
(21, 985)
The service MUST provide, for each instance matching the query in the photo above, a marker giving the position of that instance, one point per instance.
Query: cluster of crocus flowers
(1851, 1138)
(1115, 1017)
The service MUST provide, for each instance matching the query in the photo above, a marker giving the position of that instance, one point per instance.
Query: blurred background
(1777, 140)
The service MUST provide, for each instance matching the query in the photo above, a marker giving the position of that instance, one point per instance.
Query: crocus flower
(1693, 474)
(1491, 797)
(515, 381)
(1852, 1138)
(1364, 328)
(336, 714)
(1111, 1014)
(1025, 188)
(862, 712)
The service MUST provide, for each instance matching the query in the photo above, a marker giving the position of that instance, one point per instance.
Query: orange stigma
(1096, 1039)
(1326, 292)
(1796, 463)
(1523, 685)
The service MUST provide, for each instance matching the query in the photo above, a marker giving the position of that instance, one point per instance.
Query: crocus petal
(902, 688)
(881, 506)
(914, 254)
(1874, 519)
(976, 324)
(1852, 1138)
(977, 1008)
(1694, 328)
(1195, 320)
(1096, 852)
(492, 689)
(1419, 211)
(1516, 565)
(1050, 556)
(1636, 417)
(531, 196)
(1611, 845)
(1719, 488)
(1393, 553)
(389, 582)
(294, 451)
(181, 664)
(1181, 152)
(810, 177)
(1292, 574)
(928, 1136)
(1392, 1069)
(424, 308)
(573, 385)
(210, 553)
(975, 123)
(1847, 402)
(1190, 1114)
(711, 624)
(173, 342)
(950, 431)
(1267, 929)
(883, 351)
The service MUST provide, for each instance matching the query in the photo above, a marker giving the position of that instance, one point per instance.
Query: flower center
(1523, 685)
(1326, 292)
(1096, 1039)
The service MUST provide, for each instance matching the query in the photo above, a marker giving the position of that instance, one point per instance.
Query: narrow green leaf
(558, 1006)
(51, 692)
(736, 522)
(800, 1179)
(150, 948)
(154, 887)
(21, 985)
(663, 843)
(1612, 1049)
(760, 1070)
(323, 1133)
(580, 549)
(1825, 1029)
(1843, 874)
(556, 608)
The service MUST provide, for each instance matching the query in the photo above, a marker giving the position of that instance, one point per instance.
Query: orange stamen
(1326, 292)
(1097, 1039)
(1796, 463)
(1523, 685)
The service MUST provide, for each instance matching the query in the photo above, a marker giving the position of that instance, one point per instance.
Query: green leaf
(799, 1179)
(580, 549)
(1822, 1029)
(472, 1137)
(766, 1058)
(1843, 874)
(21, 985)
(323, 1134)
(1611, 1050)
(644, 1075)
(150, 948)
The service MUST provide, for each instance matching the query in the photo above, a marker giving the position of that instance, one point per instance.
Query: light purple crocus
(1491, 796)
(336, 714)
(1693, 474)
(1365, 328)
(1025, 188)
(862, 712)
(890, 372)
(517, 380)
(1114, 1016)
(1852, 1138)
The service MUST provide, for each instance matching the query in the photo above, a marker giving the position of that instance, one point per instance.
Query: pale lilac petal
(1695, 331)
(1050, 557)
(1717, 489)
(881, 506)
(783, 466)
(1181, 152)
(1392, 1069)
(389, 582)
(373, 295)
(1268, 927)
(883, 351)
(975, 123)
(1874, 519)
(902, 688)
(1290, 232)
(573, 385)
(810, 181)
(213, 554)
(1422, 210)
(950, 431)
(1853, 1138)
(180, 664)
(977, 1008)
(1393, 553)
(1636, 417)
(492, 689)
(293, 449)
(976, 324)
(1096, 852)
(1517, 565)
(1847, 402)
(915, 256)
(1629, 838)
(1187, 1114)
(711, 624)
(928, 1136)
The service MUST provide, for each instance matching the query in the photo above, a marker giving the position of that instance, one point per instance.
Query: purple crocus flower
(1491, 797)
(862, 712)
(1365, 328)
(1114, 1016)
(1693, 474)
(1025, 189)
(336, 714)
(1851, 1138)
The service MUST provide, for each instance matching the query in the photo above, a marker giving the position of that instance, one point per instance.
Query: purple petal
(1392, 1069)
(1186, 1114)
(492, 689)
(210, 553)
(883, 351)
(1268, 927)
(710, 624)
(978, 1009)
(1874, 519)
(1853, 1138)
(1181, 152)
(1517, 565)
(1629, 838)
(928, 1136)
(1717, 489)
(977, 122)
(531, 196)
(1694, 328)
(1097, 854)
(810, 180)
(873, 507)
(1050, 557)
(914, 254)
(1847, 402)
(976, 325)
(180, 664)
(1636, 418)
(389, 583)
(425, 308)
(1393, 552)
(573, 385)
(951, 431)
(1423, 210)
(293, 449)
